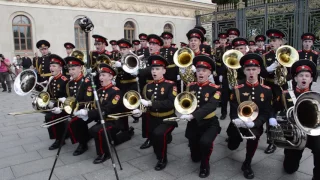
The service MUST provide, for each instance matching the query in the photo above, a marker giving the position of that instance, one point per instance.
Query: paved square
(24, 154)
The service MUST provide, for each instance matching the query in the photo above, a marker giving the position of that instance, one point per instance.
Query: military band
(147, 66)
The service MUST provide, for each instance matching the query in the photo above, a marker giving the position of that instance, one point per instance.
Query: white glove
(134, 73)
(178, 77)
(220, 78)
(114, 82)
(117, 64)
(187, 117)
(136, 113)
(82, 113)
(211, 78)
(249, 124)
(51, 104)
(62, 99)
(273, 122)
(193, 68)
(238, 122)
(146, 103)
(56, 110)
(182, 70)
(272, 67)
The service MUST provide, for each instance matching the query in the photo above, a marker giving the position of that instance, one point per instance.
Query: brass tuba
(231, 59)
(286, 56)
(184, 103)
(248, 111)
(183, 58)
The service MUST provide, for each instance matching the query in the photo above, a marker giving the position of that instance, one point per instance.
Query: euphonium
(183, 58)
(130, 62)
(231, 59)
(286, 56)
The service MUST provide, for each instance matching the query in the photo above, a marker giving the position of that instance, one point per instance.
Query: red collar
(57, 76)
(156, 53)
(101, 52)
(107, 86)
(307, 51)
(252, 85)
(115, 51)
(78, 78)
(203, 84)
(166, 47)
(159, 81)
(302, 90)
(197, 53)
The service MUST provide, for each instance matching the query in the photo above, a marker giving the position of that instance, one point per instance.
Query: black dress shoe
(9, 91)
(146, 144)
(247, 171)
(223, 117)
(270, 149)
(169, 138)
(4, 90)
(56, 145)
(161, 164)
(204, 172)
(80, 149)
(101, 158)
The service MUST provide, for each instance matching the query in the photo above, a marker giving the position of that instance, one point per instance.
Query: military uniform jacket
(208, 95)
(172, 69)
(268, 59)
(260, 94)
(205, 49)
(311, 55)
(260, 51)
(85, 91)
(115, 55)
(95, 54)
(43, 68)
(220, 67)
(110, 99)
(57, 87)
(162, 94)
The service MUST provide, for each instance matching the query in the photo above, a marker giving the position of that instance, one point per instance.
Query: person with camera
(5, 73)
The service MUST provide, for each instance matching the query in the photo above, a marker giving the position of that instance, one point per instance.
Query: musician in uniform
(136, 46)
(270, 62)
(173, 45)
(43, 62)
(79, 87)
(307, 52)
(56, 89)
(260, 40)
(252, 47)
(145, 77)
(220, 67)
(167, 52)
(232, 34)
(303, 73)
(204, 47)
(261, 95)
(203, 126)
(69, 48)
(115, 53)
(158, 97)
(144, 49)
(183, 44)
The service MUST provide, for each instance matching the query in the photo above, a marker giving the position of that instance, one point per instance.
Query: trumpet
(231, 59)
(286, 56)
(183, 59)
(247, 111)
(184, 103)
(131, 100)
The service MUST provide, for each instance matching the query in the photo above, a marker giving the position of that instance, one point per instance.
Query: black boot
(101, 158)
(204, 172)
(9, 91)
(56, 145)
(223, 117)
(247, 171)
(146, 144)
(4, 90)
(270, 149)
(161, 164)
(80, 149)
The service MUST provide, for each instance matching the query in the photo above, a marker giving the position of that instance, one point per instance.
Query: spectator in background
(26, 62)
(17, 69)
(5, 73)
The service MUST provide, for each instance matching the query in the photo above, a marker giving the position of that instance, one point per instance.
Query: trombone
(67, 106)
(286, 56)
(185, 103)
(34, 111)
(231, 59)
(247, 111)
(131, 100)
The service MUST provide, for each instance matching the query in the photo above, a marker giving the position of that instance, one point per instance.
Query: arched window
(168, 28)
(129, 31)
(79, 36)
(22, 35)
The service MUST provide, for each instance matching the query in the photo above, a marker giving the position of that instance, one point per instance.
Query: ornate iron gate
(293, 17)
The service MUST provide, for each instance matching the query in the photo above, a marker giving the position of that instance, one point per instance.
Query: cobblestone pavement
(24, 154)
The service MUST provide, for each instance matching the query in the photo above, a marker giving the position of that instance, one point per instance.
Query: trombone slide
(29, 112)
(171, 119)
(245, 137)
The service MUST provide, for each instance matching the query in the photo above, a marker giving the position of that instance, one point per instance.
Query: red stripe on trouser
(70, 130)
(54, 128)
(100, 139)
(147, 124)
(210, 152)
(165, 140)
